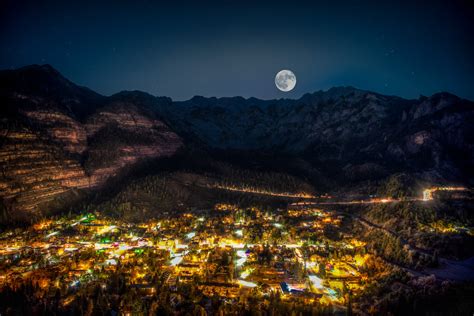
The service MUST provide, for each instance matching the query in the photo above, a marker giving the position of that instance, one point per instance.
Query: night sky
(228, 48)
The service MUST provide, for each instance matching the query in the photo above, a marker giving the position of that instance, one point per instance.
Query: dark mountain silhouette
(58, 138)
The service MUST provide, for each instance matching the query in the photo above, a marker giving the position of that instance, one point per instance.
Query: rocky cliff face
(348, 132)
(34, 169)
(50, 147)
(121, 134)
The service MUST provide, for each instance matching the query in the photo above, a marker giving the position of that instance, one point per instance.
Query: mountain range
(58, 138)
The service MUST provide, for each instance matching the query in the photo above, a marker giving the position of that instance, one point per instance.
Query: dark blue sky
(228, 48)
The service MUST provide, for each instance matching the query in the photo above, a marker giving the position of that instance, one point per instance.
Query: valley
(344, 201)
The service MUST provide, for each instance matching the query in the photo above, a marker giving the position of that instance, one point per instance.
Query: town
(227, 253)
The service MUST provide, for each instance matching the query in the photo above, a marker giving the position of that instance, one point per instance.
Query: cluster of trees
(400, 294)
(169, 191)
(420, 223)
(112, 293)
(186, 300)
(260, 180)
(391, 248)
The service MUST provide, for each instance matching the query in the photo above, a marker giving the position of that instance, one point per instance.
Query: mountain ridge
(344, 135)
(48, 68)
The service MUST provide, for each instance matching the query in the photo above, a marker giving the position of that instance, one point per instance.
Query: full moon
(285, 80)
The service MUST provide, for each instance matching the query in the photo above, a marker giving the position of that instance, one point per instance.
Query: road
(447, 270)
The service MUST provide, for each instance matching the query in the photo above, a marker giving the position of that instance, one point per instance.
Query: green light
(138, 251)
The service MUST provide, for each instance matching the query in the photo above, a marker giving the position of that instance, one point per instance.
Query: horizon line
(47, 65)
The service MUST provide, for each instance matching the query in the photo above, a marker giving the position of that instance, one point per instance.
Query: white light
(52, 234)
(190, 235)
(331, 293)
(246, 283)
(176, 260)
(240, 262)
(239, 232)
(237, 246)
(317, 282)
(310, 264)
(106, 229)
(241, 254)
(124, 247)
(111, 261)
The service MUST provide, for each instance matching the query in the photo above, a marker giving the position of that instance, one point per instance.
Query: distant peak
(43, 68)
(443, 95)
(48, 67)
(133, 93)
(198, 97)
(139, 96)
(344, 91)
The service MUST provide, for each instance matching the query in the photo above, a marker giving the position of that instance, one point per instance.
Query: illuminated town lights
(106, 229)
(316, 282)
(52, 234)
(245, 273)
(138, 251)
(264, 192)
(241, 254)
(360, 260)
(99, 246)
(170, 248)
(240, 262)
(298, 253)
(332, 294)
(247, 283)
(310, 264)
(242, 258)
(176, 260)
(124, 247)
(428, 193)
